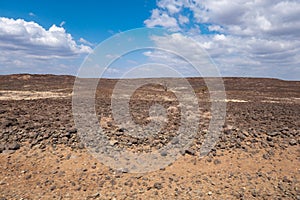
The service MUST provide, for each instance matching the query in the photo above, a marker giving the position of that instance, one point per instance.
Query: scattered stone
(68, 156)
(217, 161)
(271, 144)
(113, 142)
(266, 156)
(84, 170)
(81, 146)
(182, 152)
(73, 130)
(2, 182)
(122, 170)
(163, 153)
(293, 142)
(94, 196)
(13, 146)
(2, 147)
(53, 125)
(269, 139)
(158, 186)
(259, 174)
(122, 130)
(9, 123)
(175, 141)
(222, 146)
(53, 187)
(8, 151)
(190, 152)
(285, 179)
(28, 177)
(78, 188)
(254, 193)
(273, 134)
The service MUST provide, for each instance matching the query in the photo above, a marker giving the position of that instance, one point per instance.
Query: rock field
(42, 157)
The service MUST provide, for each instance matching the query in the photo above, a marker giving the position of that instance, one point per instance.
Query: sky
(253, 38)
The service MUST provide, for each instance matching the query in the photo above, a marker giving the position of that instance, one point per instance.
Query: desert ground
(42, 156)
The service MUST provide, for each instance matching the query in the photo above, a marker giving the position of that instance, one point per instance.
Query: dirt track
(257, 157)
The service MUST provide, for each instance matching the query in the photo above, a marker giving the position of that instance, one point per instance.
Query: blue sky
(90, 19)
(243, 37)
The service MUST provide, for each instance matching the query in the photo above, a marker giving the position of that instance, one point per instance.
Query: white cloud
(182, 53)
(161, 18)
(62, 23)
(84, 41)
(215, 28)
(31, 14)
(183, 19)
(29, 47)
(112, 56)
(219, 37)
(32, 39)
(247, 37)
(172, 6)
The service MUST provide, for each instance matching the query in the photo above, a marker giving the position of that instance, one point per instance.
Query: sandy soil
(257, 156)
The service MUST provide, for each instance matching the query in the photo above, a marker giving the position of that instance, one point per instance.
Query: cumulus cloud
(183, 19)
(161, 18)
(216, 28)
(172, 6)
(248, 38)
(183, 54)
(28, 46)
(33, 40)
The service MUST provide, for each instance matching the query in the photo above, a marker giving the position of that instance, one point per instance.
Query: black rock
(53, 187)
(158, 186)
(222, 146)
(122, 130)
(266, 156)
(10, 122)
(7, 124)
(190, 152)
(254, 193)
(28, 177)
(13, 146)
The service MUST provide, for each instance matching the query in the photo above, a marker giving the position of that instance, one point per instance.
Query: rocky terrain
(42, 156)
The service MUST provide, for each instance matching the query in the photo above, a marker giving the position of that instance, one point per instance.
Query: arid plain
(42, 157)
